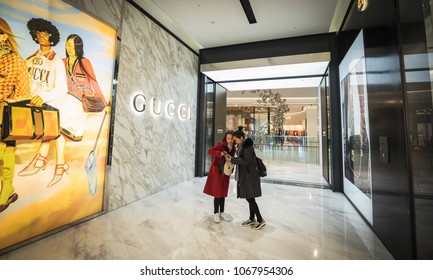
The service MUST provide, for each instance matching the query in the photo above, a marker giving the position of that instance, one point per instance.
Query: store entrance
(293, 155)
(281, 108)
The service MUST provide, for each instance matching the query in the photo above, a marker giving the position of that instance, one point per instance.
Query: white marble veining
(176, 223)
(150, 153)
(107, 10)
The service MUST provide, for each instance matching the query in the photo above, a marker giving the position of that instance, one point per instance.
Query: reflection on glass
(357, 163)
(210, 96)
(329, 131)
(417, 47)
(355, 128)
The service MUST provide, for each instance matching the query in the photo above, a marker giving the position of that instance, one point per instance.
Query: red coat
(217, 184)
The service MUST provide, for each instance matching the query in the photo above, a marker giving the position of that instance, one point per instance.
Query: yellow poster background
(41, 209)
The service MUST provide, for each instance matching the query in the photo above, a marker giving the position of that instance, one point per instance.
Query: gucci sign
(158, 107)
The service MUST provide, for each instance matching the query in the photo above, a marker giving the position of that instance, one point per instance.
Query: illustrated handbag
(92, 103)
(22, 121)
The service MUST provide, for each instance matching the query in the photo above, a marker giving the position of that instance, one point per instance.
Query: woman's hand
(36, 101)
(228, 158)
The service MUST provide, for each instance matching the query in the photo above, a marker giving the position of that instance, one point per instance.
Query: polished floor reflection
(292, 164)
(302, 223)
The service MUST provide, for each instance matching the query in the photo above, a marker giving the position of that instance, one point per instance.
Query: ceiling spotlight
(248, 10)
(362, 5)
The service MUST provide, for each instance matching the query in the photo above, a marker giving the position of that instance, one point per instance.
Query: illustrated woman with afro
(48, 85)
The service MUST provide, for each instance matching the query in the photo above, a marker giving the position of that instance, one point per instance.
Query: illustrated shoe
(38, 162)
(225, 217)
(248, 223)
(12, 198)
(216, 218)
(258, 226)
(58, 173)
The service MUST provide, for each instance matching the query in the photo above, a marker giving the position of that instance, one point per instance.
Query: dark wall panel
(391, 184)
(271, 48)
(424, 228)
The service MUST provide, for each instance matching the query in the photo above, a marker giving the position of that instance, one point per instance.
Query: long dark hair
(239, 134)
(225, 135)
(79, 52)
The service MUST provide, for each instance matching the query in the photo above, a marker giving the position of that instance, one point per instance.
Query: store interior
(277, 102)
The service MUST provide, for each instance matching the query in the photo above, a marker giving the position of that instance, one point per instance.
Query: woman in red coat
(217, 183)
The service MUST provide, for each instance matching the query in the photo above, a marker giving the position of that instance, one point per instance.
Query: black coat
(246, 164)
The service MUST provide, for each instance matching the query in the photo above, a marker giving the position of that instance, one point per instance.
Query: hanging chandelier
(268, 98)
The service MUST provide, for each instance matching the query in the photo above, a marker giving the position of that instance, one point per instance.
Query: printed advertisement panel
(355, 128)
(56, 67)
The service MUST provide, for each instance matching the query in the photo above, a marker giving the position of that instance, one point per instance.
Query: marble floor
(176, 224)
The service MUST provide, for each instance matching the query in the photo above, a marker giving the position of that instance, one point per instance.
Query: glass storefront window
(210, 101)
(286, 153)
(417, 51)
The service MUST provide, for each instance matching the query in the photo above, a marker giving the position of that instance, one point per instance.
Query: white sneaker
(216, 218)
(225, 217)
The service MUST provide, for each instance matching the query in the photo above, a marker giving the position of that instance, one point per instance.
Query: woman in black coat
(247, 177)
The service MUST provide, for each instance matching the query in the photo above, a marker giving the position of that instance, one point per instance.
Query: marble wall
(150, 152)
(109, 11)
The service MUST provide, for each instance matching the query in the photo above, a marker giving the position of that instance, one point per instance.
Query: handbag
(22, 121)
(261, 168)
(92, 103)
(221, 164)
(225, 167)
(228, 168)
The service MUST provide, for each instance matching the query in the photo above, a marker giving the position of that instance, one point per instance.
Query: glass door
(324, 116)
(210, 88)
